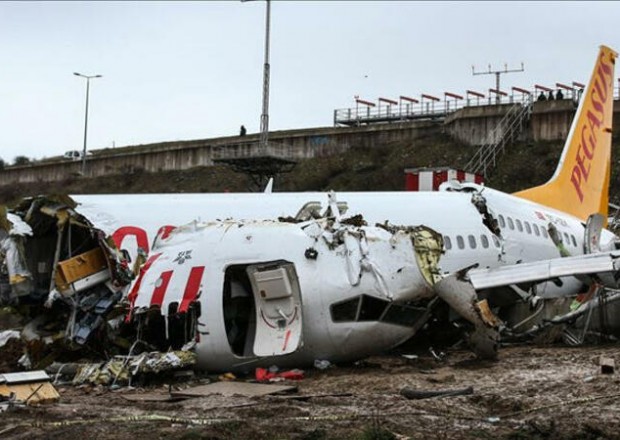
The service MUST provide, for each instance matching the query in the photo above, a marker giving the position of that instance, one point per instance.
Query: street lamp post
(88, 78)
(264, 117)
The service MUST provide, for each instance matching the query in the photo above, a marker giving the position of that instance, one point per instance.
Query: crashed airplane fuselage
(477, 225)
(266, 292)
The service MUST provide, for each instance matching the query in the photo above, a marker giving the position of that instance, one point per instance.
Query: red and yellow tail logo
(580, 185)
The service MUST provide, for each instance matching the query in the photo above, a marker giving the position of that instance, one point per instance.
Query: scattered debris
(264, 375)
(121, 369)
(31, 388)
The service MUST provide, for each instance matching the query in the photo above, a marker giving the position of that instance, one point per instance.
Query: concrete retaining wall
(300, 144)
(550, 120)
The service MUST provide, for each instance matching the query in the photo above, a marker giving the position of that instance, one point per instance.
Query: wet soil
(532, 392)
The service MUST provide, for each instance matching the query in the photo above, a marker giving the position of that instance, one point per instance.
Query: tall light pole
(264, 117)
(88, 78)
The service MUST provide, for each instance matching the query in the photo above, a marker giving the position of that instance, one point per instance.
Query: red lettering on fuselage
(141, 238)
(586, 149)
(164, 231)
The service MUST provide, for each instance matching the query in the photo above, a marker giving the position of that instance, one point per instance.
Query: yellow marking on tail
(580, 184)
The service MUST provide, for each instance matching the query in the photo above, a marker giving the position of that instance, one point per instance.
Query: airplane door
(278, 308)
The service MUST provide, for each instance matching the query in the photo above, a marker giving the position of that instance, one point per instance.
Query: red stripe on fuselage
(192, 287)
(136, 287)
(160, 291)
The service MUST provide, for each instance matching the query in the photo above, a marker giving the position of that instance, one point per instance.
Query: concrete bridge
(550, 120)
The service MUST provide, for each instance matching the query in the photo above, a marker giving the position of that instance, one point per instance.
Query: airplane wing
(601, 263)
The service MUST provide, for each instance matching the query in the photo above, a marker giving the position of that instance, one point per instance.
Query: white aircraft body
(266, 292)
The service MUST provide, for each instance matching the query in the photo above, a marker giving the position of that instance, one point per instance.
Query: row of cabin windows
(538, 231)
(471, 240)
(484, 241)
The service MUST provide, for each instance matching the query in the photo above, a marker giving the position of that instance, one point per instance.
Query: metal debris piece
(121, 369)
(461, 296)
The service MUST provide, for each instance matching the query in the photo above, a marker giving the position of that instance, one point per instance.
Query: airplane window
(536, 230)
(495, 241)
(511, 225)
(544, 232)
(519, 225)
(528, 228)
(472, 241)
(566, 239)
(573, 240)
(484, 240)
(460, 242)
(403, 315)
(447, 242)
(345, 311)
(360, 308)
(502, 223)
(372, 308)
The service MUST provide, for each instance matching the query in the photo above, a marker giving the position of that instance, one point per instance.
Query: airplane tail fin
(580, 184)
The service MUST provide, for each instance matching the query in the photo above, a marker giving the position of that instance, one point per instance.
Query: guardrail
(428, 109)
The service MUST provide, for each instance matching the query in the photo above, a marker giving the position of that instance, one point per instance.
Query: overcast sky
(193, 70)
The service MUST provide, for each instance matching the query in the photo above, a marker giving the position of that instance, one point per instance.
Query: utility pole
(497, 74)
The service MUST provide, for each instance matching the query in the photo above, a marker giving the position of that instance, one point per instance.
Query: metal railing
(363, 114)
(508, 128)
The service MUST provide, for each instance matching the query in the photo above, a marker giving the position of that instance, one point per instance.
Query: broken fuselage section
(63, 275)
(259, 293)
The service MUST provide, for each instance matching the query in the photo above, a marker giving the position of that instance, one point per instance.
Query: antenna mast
(497, 74)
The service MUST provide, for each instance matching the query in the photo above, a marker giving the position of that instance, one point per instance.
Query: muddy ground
(552, 392)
